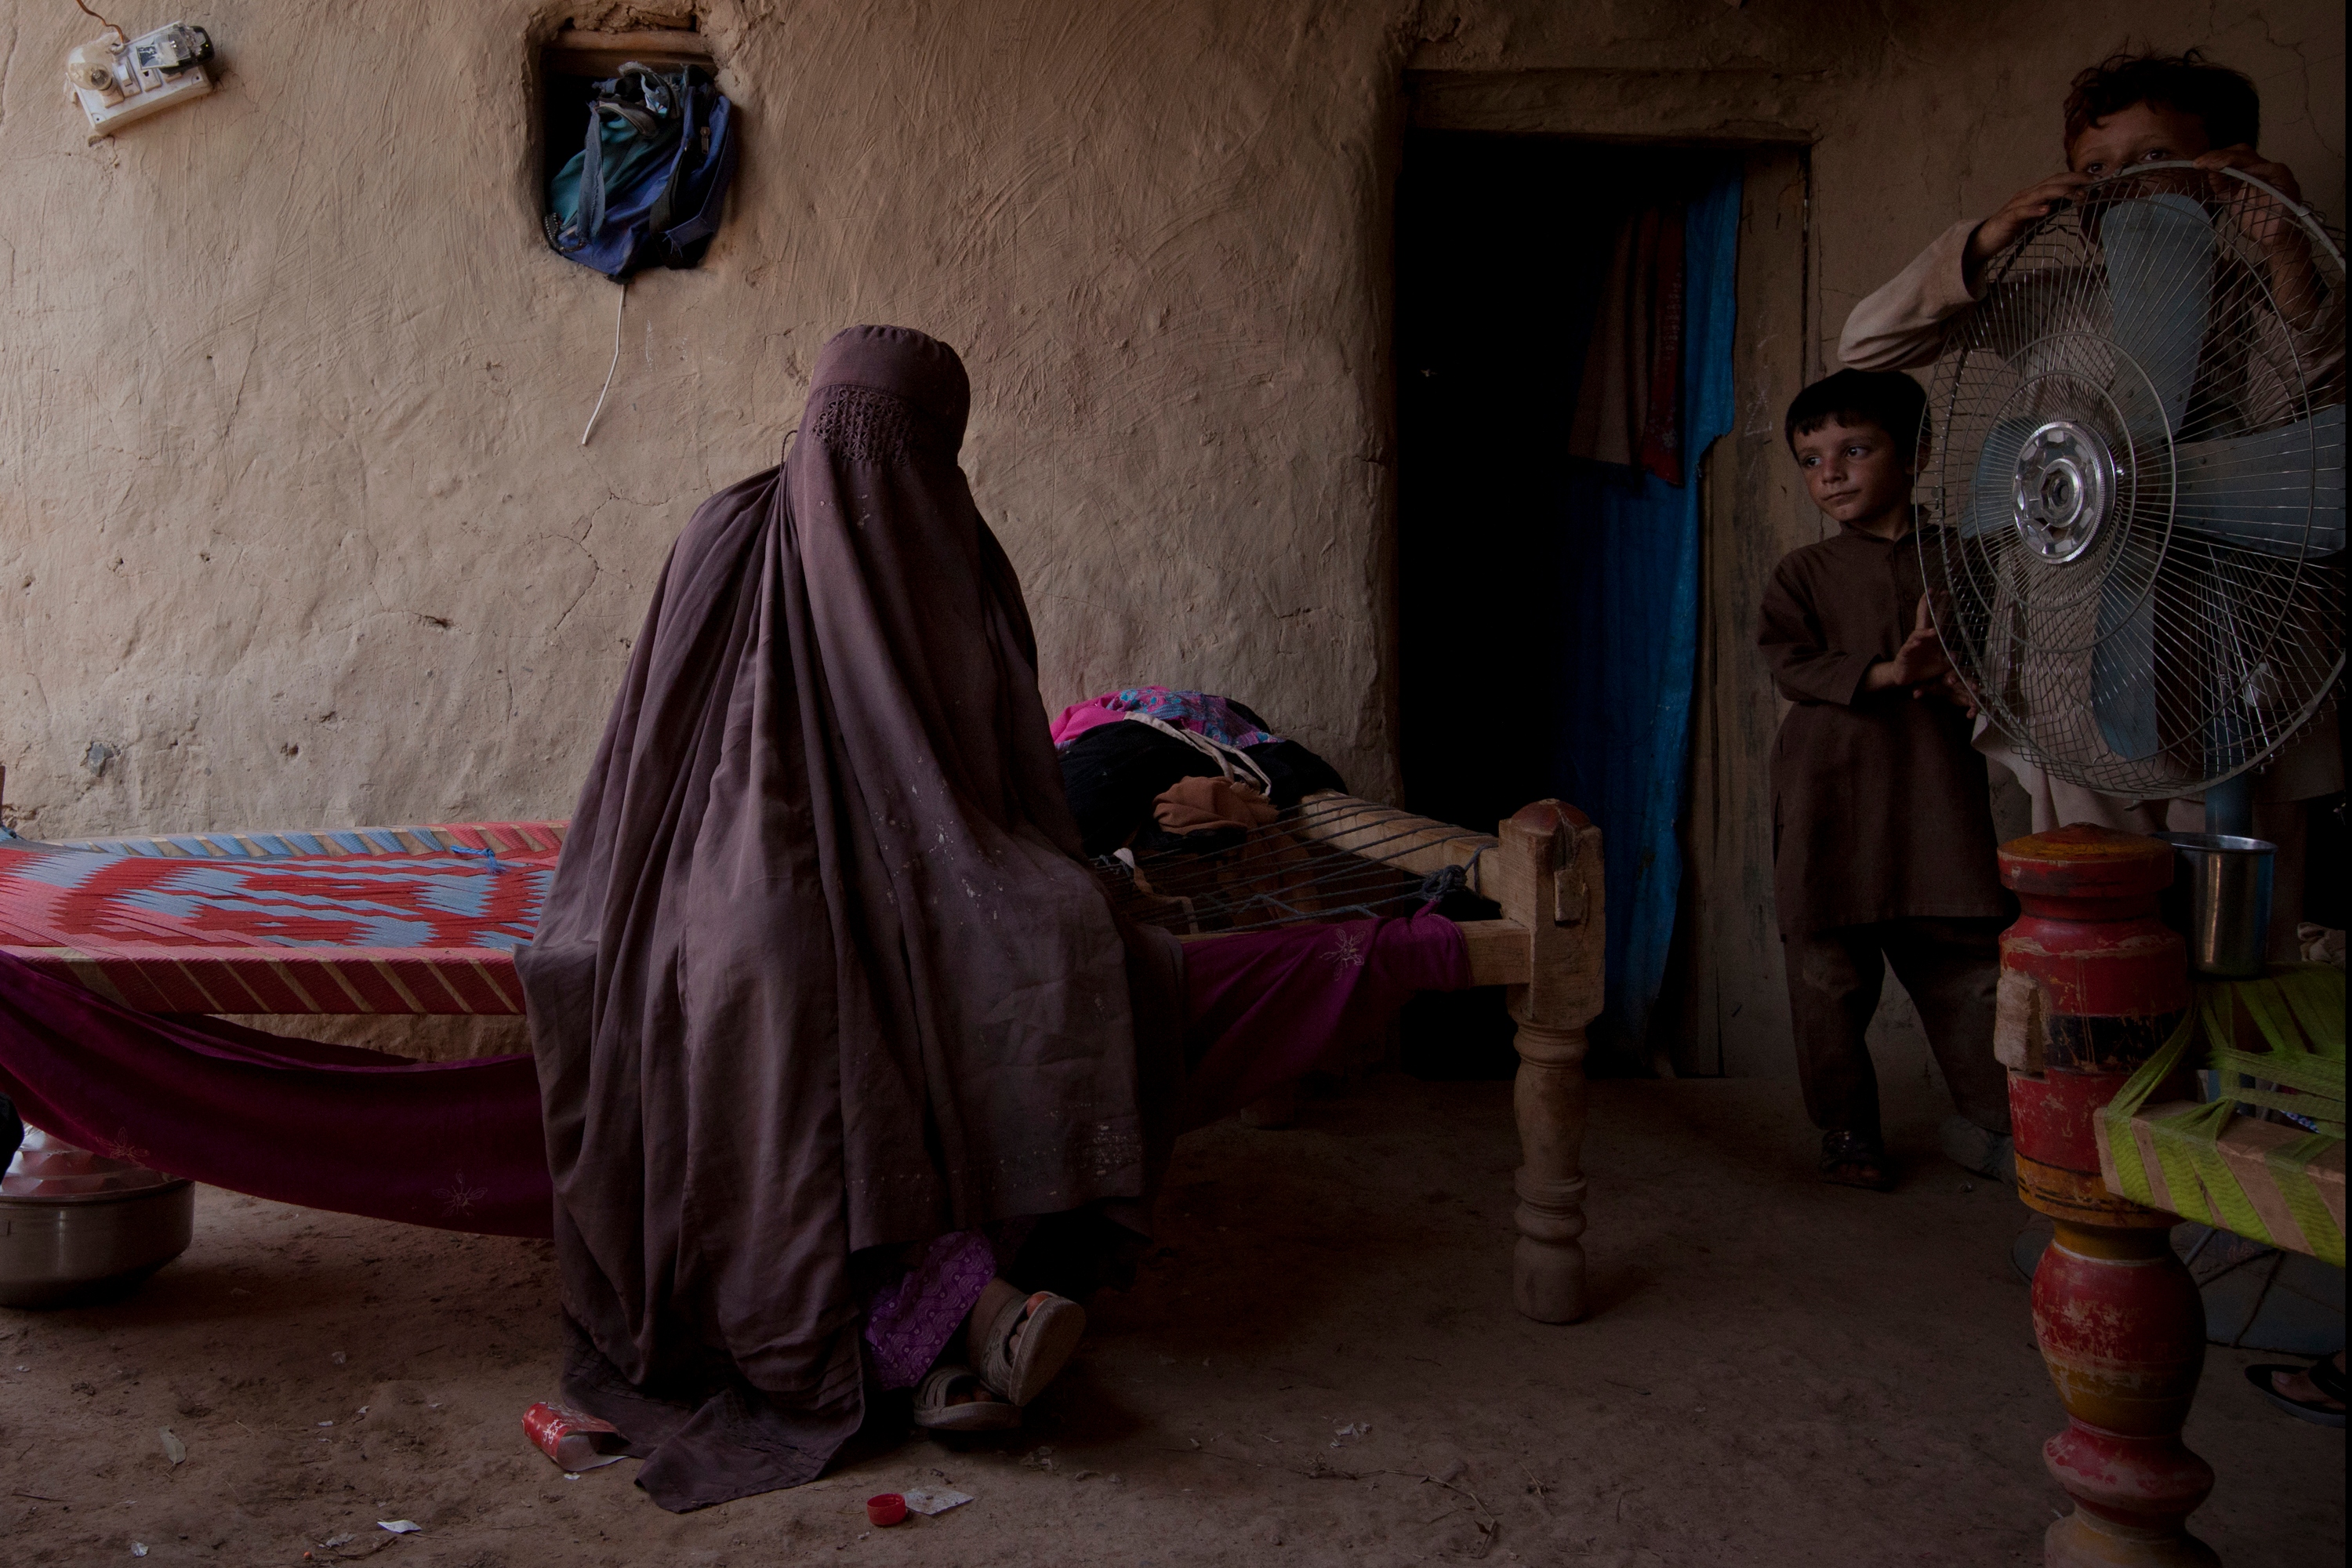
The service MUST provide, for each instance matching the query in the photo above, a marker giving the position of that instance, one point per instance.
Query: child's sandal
(937, 1408)
(1050, 1327)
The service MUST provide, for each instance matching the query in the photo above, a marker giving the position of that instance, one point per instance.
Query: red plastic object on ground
(886, 1509)
(574, 1441)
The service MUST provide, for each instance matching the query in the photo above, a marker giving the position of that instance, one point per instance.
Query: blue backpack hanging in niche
(647, 188)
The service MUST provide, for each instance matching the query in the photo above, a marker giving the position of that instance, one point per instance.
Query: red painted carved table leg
(2092, 982)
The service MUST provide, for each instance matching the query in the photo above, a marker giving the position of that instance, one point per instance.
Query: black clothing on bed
(1113, 772)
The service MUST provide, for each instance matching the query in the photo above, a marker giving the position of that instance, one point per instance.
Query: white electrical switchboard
(118, 80)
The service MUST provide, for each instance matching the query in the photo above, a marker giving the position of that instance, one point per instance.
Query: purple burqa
(820, 969)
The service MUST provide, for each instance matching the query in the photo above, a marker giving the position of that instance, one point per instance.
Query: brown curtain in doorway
(1629, 400)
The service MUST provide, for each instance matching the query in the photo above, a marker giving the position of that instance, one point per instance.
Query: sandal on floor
(937, 1407)
(2324, 1377)
(1050, 1327)
(1851, 1160)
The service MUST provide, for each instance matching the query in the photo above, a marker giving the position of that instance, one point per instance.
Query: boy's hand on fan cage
(2017, 214)
(1952, 688)
(1917, 664)
(2270, 226)
(2042, 197)
(2277, 176)
(1920, 661)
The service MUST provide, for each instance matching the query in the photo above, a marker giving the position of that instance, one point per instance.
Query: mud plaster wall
(295, 526)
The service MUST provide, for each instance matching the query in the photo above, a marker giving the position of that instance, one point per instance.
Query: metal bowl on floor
(77, 1227)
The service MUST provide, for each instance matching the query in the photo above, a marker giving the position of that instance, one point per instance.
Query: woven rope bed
(425, 919)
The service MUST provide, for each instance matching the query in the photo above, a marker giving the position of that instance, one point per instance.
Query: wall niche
(577, 57)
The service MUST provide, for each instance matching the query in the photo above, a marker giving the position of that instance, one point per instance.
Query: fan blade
(2123, 666)
(2159, 253)
(2280, 493)
(1992, 496)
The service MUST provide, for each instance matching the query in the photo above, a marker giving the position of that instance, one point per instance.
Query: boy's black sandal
(2325, 1377)
(1851, 1160)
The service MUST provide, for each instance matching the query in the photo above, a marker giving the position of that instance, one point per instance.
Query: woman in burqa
(827, 1007)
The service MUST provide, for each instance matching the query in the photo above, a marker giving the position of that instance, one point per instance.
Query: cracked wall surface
(295, 526)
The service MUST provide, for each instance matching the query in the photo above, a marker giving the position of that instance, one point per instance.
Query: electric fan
(2135, 444)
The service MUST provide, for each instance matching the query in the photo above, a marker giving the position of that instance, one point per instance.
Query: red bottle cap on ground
(888, 1507)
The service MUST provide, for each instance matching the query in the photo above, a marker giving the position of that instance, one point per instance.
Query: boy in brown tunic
(1882, 828)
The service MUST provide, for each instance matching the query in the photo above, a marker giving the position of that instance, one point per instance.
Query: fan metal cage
(2133, 469)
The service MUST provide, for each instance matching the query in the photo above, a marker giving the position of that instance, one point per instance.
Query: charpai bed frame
(425, 919)
(1543, 868)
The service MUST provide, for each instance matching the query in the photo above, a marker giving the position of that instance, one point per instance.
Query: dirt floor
(1323, 1368)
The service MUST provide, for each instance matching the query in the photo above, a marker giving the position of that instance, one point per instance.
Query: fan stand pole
(2229, 806)
(2092, 982)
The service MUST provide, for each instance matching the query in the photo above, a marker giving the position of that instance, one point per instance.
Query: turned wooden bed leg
(1550, 882)
(1548, 1264)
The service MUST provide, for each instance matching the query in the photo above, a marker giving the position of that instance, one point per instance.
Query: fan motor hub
(2064, 480)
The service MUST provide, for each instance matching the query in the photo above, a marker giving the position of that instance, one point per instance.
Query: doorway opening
(1564, 339)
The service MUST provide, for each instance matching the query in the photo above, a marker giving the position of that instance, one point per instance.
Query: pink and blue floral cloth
(1223, 721)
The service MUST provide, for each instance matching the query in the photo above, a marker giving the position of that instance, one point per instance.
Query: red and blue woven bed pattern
(372, 920)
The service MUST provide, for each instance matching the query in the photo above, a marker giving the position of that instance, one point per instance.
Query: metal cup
(2222, 902)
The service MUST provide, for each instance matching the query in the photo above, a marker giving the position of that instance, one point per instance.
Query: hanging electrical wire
(120, 38)
(609, 369)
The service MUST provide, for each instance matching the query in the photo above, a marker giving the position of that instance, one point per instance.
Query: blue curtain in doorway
(1630, 610)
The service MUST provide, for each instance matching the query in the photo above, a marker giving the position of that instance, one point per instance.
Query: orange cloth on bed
(1202, 806)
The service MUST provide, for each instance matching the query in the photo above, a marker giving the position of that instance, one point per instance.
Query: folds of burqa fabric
(820, 969)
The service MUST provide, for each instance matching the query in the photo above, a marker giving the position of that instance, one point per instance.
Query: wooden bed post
(1550, 882)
